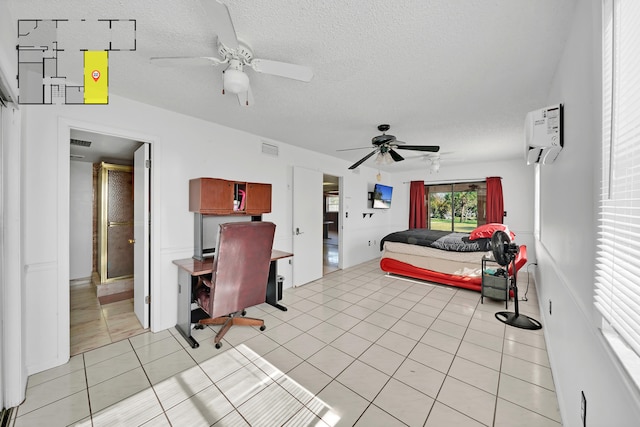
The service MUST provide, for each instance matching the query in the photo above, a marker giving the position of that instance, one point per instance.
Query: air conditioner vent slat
(80, 143)
(269, 149)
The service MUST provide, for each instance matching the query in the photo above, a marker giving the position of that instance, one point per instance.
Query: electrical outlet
(549, 307)
(369, 242)
(583, 409)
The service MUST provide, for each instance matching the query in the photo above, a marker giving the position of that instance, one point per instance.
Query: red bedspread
(474, 283)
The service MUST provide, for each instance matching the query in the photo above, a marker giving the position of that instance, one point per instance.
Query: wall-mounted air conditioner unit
(543, 135)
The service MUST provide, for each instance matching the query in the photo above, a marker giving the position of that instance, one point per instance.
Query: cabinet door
(258, 198)
(210, 196)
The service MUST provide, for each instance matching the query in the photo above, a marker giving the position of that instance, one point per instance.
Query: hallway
(94, 325)
(330, 253)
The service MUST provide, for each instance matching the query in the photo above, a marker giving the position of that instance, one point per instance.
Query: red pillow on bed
(486, 231)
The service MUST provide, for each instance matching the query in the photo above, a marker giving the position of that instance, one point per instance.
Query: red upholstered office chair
(239, 278)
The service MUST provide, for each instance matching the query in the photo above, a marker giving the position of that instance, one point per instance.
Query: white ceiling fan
(434, 160)
(238, 56)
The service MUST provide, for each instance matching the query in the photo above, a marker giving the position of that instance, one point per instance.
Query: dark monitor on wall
(382, 196)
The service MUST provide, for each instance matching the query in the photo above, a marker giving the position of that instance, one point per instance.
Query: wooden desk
(190, 269)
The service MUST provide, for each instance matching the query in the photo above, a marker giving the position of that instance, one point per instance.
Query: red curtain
(417, 211)
(495, 204)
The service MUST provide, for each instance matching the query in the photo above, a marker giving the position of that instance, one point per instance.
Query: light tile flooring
(330, 258)
(330, 253)
(93, 325)
(355, 348)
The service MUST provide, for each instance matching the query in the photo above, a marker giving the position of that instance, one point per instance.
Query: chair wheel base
(262, 328)
(218, 345)
(198, 326)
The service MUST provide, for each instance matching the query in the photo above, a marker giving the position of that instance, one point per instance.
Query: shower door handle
(118, 223)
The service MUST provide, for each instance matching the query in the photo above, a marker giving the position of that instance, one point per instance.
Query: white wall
(12, 310)
(80, 220)
(363, 229)
(579, 357)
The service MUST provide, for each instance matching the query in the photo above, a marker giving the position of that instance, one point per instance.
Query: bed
(441, 256)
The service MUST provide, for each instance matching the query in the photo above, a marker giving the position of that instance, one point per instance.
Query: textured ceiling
(456, 73)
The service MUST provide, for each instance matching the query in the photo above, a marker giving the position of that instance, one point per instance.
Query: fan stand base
(518, 320)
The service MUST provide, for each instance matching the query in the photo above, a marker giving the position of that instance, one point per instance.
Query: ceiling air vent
(80, 143)
(269, 149)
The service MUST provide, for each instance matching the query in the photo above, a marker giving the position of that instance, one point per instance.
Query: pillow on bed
(460, 242)
(486, 231)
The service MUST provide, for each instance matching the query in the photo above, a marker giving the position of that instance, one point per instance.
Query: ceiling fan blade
(219, 14)
(188, 60)
(362, 160)
(351, 149)
(431, 148)
(246, 98)
(395, 156)
(282, 69)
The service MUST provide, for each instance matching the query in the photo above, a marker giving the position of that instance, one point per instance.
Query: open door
(307, 225)
(141, 169)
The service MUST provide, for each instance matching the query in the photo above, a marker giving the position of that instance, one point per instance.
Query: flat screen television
(382, 196)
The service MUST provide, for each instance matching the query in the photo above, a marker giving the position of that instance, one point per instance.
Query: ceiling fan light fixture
(435, 165)
(384, 158)
(235, 81)
(388, 160)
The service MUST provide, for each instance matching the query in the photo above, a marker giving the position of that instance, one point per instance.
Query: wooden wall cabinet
(214, 196)
(258, 198)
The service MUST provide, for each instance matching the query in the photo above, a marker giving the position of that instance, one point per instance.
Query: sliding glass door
(457, 207)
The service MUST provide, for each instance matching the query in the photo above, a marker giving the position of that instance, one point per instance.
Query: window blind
(617, 270)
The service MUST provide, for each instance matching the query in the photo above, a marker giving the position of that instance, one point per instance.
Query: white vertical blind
(617, 275)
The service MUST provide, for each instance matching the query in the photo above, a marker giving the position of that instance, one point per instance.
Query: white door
(141, 234)
(307, 225)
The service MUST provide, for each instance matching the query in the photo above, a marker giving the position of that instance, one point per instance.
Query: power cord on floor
(524, 298)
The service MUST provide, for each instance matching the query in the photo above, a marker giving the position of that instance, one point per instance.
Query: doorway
(331, 225)
(101, 304)
(317, 234)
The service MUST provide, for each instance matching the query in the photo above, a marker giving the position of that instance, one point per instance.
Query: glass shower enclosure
(115, 222)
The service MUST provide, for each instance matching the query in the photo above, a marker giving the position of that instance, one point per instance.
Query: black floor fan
(505, 252)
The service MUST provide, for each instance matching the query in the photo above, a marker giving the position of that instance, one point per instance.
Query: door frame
(141, 235)
(64, 149)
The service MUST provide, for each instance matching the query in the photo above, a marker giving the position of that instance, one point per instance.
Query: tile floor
(355, 348)
(330, 253)
(93, 325)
